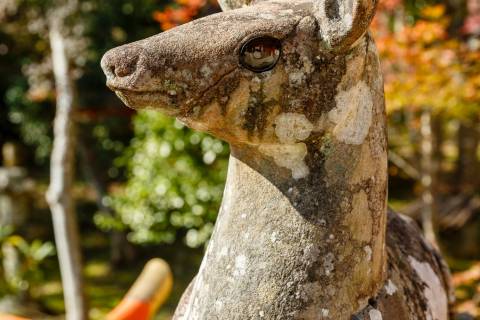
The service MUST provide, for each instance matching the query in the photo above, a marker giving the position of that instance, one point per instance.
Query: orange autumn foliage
(181, 11)
(423, 65)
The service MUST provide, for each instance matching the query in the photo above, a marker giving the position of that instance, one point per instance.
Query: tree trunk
(426, 148)
(468, 164)
(59, 194)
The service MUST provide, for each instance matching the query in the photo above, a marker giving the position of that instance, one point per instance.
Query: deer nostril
(125, 69)
(120, 62)
(110, 70)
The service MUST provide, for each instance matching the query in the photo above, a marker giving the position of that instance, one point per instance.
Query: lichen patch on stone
(218, 305)
(390, 287)
(240, 265)
(223, 252)
(352, 115)
(329, 263)
(434, 292)
(374, 314)
(292, 127)
(273, 237)
(297, 78)
(325, 312)
(290, 156)
(368, 252)
(206, 71)
(267, 16)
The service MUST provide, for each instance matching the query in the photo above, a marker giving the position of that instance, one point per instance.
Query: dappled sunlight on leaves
(176, 179)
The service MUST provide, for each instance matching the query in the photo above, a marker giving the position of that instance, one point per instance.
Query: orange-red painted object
(147, 294)
(130, 309)
(10, 317)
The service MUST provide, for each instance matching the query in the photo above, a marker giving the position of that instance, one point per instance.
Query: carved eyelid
(250, 37)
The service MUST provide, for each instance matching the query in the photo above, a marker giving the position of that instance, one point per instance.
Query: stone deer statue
(295, 88)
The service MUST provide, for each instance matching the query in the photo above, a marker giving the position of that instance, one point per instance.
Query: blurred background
(145, 186)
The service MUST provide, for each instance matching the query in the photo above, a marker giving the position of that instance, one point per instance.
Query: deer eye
(260, 54)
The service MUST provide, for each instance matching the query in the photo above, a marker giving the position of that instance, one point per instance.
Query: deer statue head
(295, 88)
(233, 74)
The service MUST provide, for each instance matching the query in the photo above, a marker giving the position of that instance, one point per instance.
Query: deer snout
(121, 65)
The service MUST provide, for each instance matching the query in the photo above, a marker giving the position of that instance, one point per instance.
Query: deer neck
(296, 247)
(301, 230)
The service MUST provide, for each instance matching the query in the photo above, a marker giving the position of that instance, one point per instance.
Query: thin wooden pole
(59, 194)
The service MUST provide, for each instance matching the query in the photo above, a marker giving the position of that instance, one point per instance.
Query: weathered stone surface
(301, 230)
(417, 285)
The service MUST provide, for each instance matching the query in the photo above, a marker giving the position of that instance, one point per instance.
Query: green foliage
(33, 120)
(175, 182)
(21, 262)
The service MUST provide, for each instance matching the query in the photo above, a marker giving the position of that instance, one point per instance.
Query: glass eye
(260, 54)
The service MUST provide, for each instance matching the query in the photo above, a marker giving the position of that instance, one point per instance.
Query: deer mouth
(151, 99)
(171, 102)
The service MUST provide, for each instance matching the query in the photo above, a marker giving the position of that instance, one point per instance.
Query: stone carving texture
(301, 233)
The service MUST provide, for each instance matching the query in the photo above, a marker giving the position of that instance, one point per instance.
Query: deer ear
(342, 22)
(233, 4)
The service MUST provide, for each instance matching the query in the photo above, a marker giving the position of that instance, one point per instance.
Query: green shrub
(21, 267)
(175, 183)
